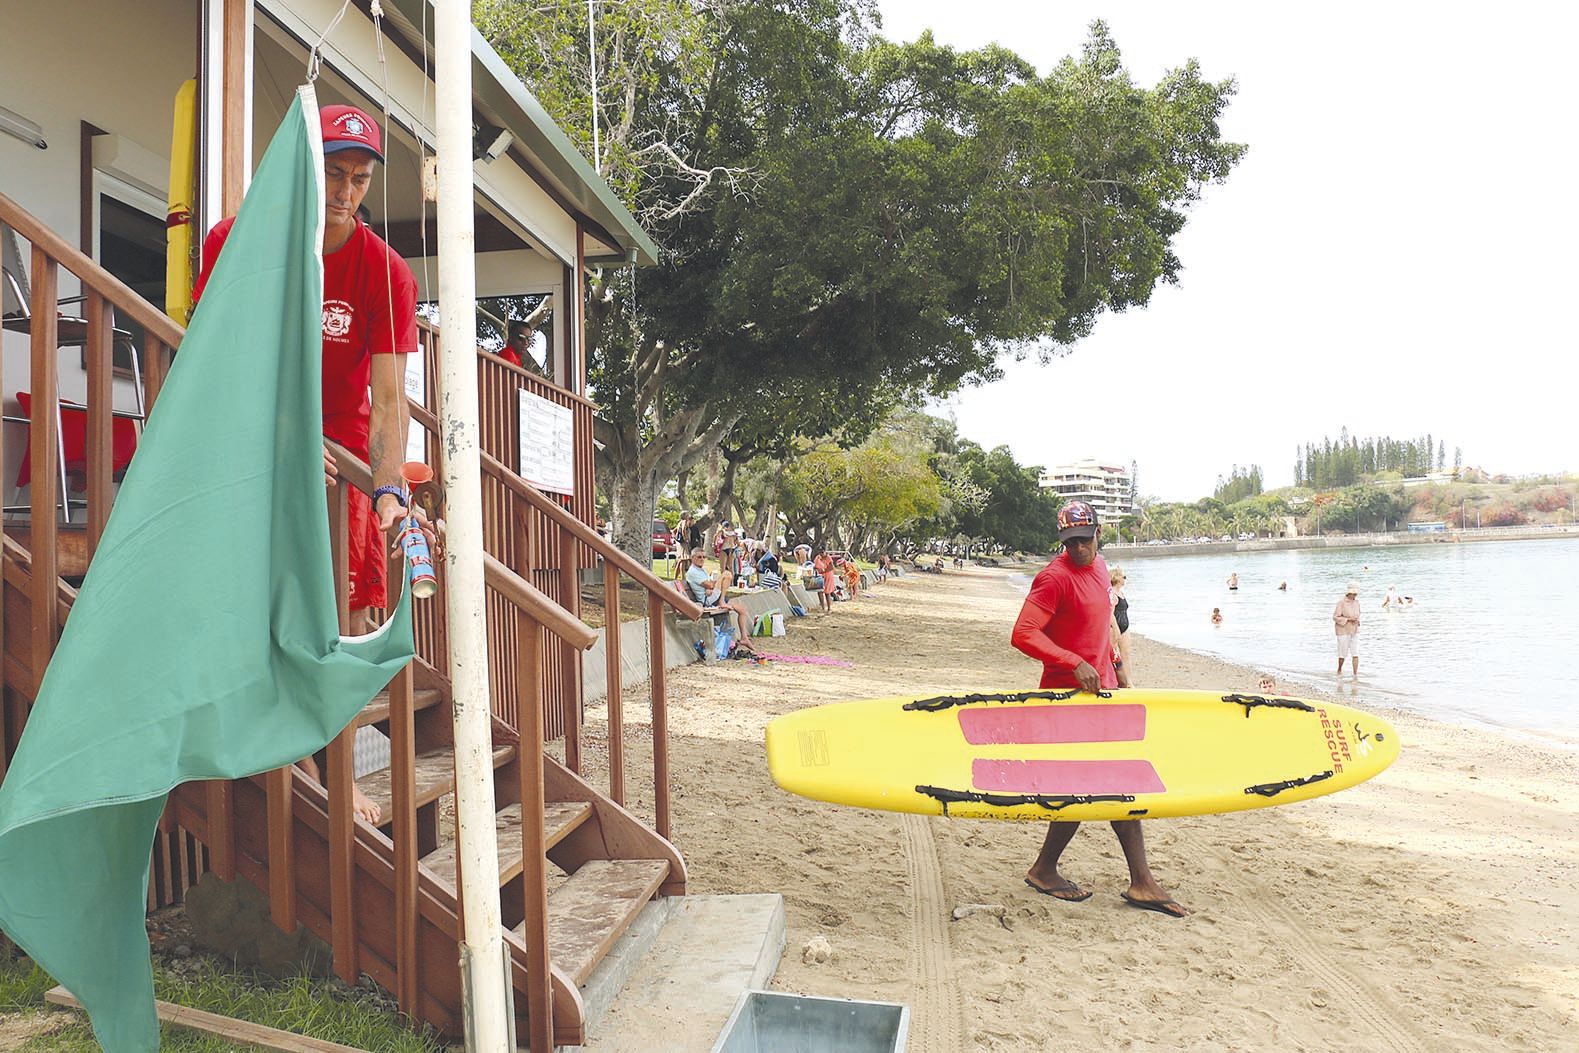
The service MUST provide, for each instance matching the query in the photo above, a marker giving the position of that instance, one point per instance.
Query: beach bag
(776, 623)
(723, 641)
(762, 626)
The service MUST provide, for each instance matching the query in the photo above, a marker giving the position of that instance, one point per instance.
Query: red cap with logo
(1076, 519)
(348, 128)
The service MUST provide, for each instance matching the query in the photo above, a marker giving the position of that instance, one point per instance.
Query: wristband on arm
(397, 492)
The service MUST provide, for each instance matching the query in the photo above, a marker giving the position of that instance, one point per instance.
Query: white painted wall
(117, 66)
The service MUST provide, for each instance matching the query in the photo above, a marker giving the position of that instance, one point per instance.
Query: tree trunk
(632, 499)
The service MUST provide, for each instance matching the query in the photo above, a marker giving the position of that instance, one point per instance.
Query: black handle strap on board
(1252, 701)
(1051, 802)
(1272, 789)
(941, 702)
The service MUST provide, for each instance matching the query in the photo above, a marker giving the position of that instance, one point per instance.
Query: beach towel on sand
(204, 643)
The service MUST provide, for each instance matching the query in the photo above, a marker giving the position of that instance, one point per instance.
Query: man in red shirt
(369, 326)
(1066, 623)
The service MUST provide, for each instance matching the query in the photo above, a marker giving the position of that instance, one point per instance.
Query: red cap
(1076, 519)
(348, 128)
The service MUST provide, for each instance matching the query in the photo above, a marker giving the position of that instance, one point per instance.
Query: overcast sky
(1396, 253)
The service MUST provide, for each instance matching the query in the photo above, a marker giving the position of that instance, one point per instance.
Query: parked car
(662, 538)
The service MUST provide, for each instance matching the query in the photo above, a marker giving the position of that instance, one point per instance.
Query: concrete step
(685, 982)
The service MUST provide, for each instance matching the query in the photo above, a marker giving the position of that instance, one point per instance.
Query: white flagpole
(482, 952)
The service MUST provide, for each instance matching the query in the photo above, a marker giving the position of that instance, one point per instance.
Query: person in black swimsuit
(1120, 603)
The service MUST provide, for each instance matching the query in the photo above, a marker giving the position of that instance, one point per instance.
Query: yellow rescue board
(1127, 754)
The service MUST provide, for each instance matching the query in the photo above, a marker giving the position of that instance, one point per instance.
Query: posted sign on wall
(548, 445)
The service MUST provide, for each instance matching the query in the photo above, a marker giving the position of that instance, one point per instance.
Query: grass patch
(325, 1009)
(22, 986)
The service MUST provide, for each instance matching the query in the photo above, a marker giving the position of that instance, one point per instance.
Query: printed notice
(417, 391)
(548, 445)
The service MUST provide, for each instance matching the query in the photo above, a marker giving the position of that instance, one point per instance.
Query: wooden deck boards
(434, 775)
(559, 819)
(377, 710)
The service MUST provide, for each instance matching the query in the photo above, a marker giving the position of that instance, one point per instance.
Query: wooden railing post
(341, 775)
(153, 370)
(44, 435)
(101, 411)
(403, 804)
(616, 693)
(660, 715)
(570, 659)
(534, 866)
(282, 857)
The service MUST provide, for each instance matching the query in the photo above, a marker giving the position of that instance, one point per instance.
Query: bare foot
(365, 809)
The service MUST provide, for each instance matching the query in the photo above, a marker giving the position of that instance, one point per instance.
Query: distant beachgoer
(1283, 587)
(852, 578)
(690, 532)
(1392, 601)
(1217, 616)
(1066, 624)
(1120, 602)
(1346, 623)
(1233, 583)
(727, 546)
(827, 581)
(881, 574)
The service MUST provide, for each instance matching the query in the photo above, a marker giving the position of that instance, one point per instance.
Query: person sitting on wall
(712, 593)
(769, 574)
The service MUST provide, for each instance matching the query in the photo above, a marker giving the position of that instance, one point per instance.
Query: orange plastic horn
(415, 473)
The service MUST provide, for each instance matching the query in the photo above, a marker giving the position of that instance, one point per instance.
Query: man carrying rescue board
(1065, 625)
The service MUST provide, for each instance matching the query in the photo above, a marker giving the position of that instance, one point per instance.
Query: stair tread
(378, 709)
(434, 775)
(594, 908)
(559, 819)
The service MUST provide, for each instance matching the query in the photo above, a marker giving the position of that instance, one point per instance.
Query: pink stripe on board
(1065, 776)
(1004, 726)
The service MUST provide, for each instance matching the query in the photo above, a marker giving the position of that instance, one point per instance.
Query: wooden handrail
(96, 277)
(592, 539)
(424, 324)
(522, 594)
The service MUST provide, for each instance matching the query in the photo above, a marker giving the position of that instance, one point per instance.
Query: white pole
(482, 953)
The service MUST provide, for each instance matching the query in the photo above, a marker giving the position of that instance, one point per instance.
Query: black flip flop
(1160, 906)
(1053, 893)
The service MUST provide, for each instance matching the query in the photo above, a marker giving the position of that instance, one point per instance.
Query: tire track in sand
(936, 1022)
(1393, 1031)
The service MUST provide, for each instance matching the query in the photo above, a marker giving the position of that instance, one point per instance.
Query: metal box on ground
(771, 1022)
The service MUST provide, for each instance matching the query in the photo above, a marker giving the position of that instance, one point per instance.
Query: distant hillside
(1384, 501)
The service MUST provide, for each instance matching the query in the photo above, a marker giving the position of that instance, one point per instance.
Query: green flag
(205, 642)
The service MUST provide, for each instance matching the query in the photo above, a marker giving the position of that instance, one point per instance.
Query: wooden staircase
(385, 898)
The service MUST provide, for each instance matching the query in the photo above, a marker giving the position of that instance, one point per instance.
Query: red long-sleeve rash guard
(1065, 622)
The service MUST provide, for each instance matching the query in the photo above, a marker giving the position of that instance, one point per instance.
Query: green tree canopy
(848, 221)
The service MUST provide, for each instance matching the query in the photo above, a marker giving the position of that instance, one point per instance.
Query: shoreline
(1385, 702)
(1342, 541)
(1434, 906)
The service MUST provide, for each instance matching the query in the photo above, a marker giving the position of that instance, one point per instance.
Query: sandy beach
(1432, 908)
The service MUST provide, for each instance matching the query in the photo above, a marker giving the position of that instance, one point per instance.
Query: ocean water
(1492, 637)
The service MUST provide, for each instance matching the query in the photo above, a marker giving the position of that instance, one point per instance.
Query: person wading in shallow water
(1066, 624)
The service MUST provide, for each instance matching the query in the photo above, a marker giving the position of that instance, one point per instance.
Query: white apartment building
(1104, 485)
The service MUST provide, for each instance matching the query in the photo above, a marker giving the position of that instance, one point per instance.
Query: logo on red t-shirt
(337, 318)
